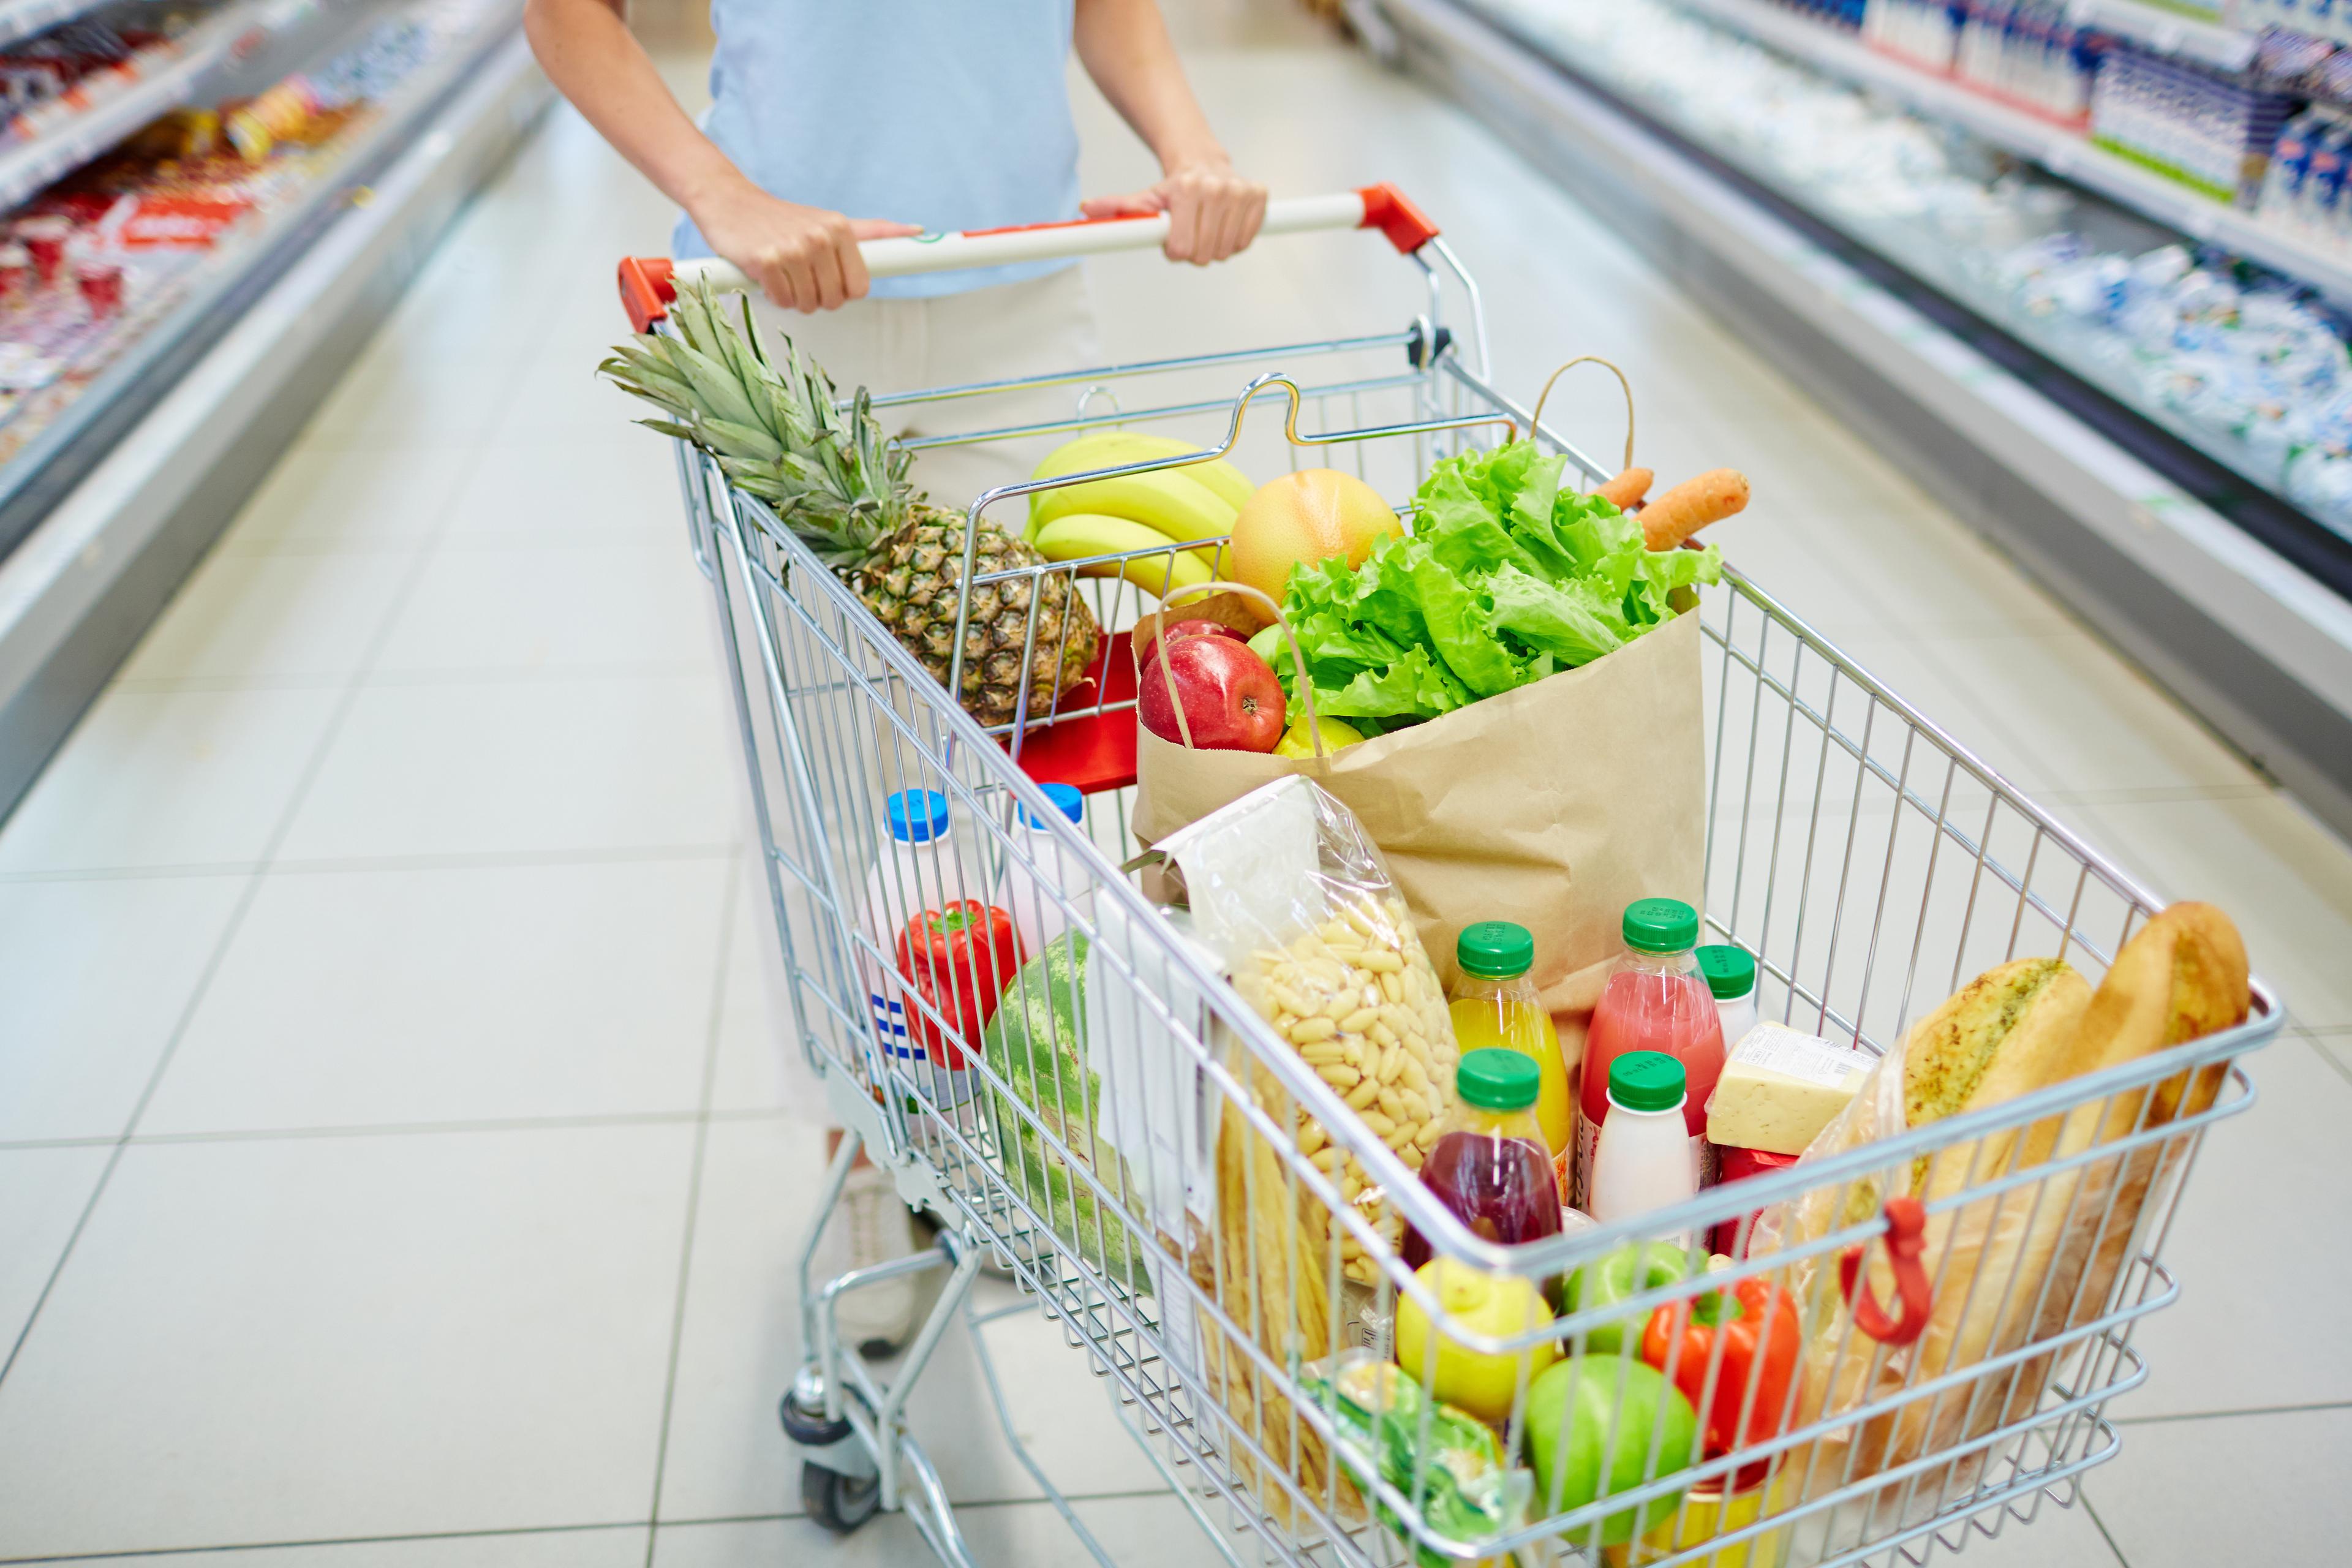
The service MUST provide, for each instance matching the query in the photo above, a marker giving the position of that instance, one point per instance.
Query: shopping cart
(1869, 861)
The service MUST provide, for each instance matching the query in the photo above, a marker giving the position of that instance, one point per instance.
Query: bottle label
(1588, 1141)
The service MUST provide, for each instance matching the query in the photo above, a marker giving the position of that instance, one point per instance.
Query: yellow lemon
(1498, 1305)
(1296, 742)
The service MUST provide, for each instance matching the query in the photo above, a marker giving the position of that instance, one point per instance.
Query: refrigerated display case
(2038, 252)
(204, 205)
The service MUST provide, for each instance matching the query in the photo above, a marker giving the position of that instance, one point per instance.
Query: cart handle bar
(648, 283)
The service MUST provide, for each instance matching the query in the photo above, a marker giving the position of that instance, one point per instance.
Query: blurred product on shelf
(97, 260)
(58, 75)
(2245, 366)
(2210, 132)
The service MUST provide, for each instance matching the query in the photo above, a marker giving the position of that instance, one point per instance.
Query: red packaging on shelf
(101, 287)
(190, 221)
(16, 273)
(44, 238)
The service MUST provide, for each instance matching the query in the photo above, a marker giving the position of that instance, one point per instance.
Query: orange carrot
(1692, 505)
(1626, 490)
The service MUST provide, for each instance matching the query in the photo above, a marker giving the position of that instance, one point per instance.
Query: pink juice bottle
(1655, 1000)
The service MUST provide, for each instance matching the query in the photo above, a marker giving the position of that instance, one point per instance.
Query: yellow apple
(1471, 1301)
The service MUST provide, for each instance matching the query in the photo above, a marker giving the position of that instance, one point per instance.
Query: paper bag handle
(1535, 420)
(1297, 659)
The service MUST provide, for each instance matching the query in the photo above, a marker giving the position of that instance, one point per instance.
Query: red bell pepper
(1756, 1323)
(958, 960)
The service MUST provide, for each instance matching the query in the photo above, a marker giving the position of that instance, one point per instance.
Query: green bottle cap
(1660, 925)
(1730, 970)
(1645, 1081)
(1494, 1078)
(1494, 949)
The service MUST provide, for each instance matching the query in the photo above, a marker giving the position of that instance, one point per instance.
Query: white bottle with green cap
(1731, 974)
(1643, 1163)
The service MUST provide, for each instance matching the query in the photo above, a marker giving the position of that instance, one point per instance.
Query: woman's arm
(1213, 212)
(804, 258)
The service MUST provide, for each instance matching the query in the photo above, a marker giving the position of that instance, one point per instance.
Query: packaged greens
(1384, 1424)
(1508, 576)
(1034, 1043)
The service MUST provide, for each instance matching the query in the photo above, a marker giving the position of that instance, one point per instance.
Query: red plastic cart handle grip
(648, 283)
(1906, 1240)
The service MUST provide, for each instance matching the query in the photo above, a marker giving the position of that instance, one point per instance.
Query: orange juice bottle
(1495, 1004)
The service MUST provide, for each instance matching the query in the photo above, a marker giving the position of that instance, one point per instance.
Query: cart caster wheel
(840, 1503)
(809, 1428)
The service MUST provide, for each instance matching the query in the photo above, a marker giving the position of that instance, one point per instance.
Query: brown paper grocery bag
(1554, 805)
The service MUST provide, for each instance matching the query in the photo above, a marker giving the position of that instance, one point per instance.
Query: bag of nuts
(1318, 941)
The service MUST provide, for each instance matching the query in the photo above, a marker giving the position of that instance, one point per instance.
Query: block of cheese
(1780, 1087)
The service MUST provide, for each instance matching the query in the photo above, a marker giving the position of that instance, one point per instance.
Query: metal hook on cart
(1906, 1227)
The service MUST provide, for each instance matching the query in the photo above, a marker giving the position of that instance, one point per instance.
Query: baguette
(2182, 977)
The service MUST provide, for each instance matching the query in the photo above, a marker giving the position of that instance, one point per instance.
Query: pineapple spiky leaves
(839, 484)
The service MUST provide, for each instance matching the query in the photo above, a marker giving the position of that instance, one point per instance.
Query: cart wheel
(840, 1503)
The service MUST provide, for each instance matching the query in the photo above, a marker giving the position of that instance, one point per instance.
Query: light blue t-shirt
(948, 113)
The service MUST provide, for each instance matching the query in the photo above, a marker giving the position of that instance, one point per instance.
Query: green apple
(1620, 1275)
(1593, 1418)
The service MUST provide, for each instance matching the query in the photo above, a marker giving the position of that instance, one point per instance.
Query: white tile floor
(395, 1168)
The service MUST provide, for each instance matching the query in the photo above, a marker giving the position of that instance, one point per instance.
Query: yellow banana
(1113, 449)
(1175, 507)
(1082, 534)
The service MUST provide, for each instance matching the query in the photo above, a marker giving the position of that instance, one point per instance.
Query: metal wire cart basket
(1214, 1227)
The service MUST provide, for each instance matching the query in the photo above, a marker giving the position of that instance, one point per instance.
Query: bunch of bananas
(1194, 505)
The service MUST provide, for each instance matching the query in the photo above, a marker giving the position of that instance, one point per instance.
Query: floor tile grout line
(2246, 1412)
(2105, 1533)
(724, 948)
(229, 929)
(2319, 1049)
(490, 859)
(332, 1540)
(500, 1534)
(411, 1128)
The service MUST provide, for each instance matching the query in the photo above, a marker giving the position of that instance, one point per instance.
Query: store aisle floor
(394, 1167)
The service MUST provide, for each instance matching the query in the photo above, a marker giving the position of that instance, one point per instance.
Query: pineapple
(838, 484)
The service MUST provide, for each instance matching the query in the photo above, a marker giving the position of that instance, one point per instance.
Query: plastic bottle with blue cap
(1043, 881)
(915, 868)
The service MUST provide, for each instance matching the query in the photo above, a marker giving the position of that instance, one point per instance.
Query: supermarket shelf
(2063, 153)
(2260, 649)
(2167, 31)
(23, 18)
(220, 43)
(34, 478)
(77, 593)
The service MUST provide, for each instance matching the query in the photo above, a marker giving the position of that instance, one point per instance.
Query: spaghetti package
(1287, 889)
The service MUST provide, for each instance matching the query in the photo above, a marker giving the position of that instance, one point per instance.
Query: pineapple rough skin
(842, 488)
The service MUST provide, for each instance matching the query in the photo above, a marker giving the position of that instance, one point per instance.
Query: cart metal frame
(1869, 860)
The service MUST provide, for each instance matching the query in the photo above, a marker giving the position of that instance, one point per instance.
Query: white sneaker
(871, 1225)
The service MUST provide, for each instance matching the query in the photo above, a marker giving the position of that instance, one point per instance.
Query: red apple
(1177, 630)
(1230, 699)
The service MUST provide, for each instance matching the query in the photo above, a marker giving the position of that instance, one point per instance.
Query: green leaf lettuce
(1510, 576)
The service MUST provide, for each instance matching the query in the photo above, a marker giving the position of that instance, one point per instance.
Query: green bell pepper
(1621, 1276)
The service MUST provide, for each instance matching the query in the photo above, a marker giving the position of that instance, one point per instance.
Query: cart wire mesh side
(1866, 860)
